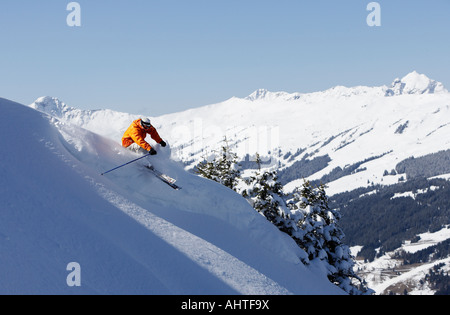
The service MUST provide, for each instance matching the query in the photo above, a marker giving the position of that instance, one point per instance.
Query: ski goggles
(146, 125)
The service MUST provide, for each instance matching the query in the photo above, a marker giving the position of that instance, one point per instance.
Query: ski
(164, 178)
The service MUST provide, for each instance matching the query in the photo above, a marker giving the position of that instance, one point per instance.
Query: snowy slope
(130, 233)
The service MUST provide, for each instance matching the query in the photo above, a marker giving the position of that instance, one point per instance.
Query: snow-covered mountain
(341, 126)
(415, 83)
(105, 122)
(348, 137)
(372, 127)
(127, 232)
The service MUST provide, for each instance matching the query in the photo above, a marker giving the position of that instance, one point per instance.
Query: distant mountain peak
(50, 105)
(263, 94)
(258, 94)
(415, 83)
(412, 83)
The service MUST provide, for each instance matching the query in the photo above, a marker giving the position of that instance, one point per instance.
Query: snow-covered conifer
(265, 193)
(314, 226)
(222, 169)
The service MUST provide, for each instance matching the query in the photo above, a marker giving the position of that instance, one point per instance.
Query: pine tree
(207, 169)
(222, 169)
(265, 193)
(306, 225)
(314, 226)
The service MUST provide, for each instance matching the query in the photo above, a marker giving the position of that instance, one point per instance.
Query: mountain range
(308, 134)
(351, 138)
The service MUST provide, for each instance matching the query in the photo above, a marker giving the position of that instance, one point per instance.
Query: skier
(134, 137)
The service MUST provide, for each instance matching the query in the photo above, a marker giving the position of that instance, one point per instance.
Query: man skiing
(134, 137)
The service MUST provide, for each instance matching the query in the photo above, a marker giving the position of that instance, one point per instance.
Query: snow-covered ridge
(131, 233)
(52, 106)
(412, 83)
(263, 94)
(105, 122)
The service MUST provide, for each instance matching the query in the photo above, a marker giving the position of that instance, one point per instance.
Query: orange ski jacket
(137, 134)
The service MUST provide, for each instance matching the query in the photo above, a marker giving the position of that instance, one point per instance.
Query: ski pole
(125, 164)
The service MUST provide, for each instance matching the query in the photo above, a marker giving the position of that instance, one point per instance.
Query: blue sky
(155, 57)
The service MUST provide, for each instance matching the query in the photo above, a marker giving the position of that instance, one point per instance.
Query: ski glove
(163, 143)
(152, 151)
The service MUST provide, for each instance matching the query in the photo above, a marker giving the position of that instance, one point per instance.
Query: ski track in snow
(226, 267)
